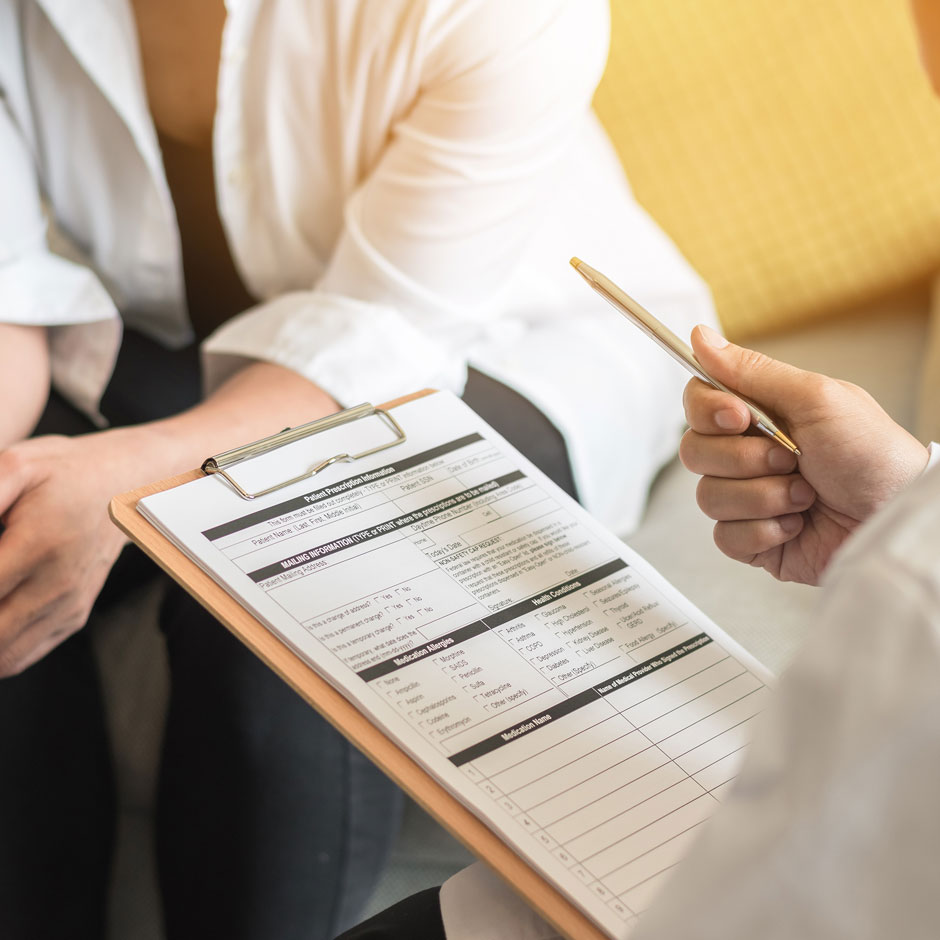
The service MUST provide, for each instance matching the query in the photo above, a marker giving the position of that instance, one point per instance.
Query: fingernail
(790, 524)
(712, 337)
(728, 419)
(781, 460)
(801, 493)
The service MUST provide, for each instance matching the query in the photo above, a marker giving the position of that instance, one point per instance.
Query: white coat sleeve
(831, 829)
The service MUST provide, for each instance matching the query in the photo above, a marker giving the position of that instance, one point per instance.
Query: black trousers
(269, 824)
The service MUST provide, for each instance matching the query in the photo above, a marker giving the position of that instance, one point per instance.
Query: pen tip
(575, 263)
(778, 435)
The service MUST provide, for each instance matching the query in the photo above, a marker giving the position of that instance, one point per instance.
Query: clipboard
(320, 694)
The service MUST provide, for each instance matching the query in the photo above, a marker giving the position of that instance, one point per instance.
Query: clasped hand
(772, 511)
(58, 544)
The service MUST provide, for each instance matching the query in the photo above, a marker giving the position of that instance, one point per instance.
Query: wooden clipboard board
(344, 716)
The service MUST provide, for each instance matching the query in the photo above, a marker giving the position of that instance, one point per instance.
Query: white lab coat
(401, 184)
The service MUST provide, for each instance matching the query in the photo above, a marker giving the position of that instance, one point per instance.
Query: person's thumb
(768, 382)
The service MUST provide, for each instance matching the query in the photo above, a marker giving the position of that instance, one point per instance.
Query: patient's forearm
(261, 399)
(24, 380)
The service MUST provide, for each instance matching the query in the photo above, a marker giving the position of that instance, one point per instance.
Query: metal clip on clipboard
(221, 463)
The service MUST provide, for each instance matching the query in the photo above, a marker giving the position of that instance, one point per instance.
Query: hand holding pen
(771, 513)
(771, 510)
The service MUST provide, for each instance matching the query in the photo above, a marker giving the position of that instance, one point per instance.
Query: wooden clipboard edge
(343, 715)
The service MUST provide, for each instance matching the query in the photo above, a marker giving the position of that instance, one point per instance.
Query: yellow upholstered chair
(792, 150)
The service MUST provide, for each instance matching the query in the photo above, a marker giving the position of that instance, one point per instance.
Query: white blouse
(401, 184)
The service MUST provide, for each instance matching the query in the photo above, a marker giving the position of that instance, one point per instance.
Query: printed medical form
(533, 664)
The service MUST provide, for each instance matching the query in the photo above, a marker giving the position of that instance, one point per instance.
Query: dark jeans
(269, 824)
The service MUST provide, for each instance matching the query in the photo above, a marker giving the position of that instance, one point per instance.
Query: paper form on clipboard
(529, 661)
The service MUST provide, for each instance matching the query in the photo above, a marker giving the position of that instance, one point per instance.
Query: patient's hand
(773, 512)
(58, 544)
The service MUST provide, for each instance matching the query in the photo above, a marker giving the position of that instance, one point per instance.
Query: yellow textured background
(791, 148)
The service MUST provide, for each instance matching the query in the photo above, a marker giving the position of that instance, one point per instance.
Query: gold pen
(676, 348)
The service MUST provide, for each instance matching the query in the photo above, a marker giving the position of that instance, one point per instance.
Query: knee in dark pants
(57, 800)
(270, 824)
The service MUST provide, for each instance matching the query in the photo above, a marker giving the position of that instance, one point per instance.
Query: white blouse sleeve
(37, 286)
(432, 236)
